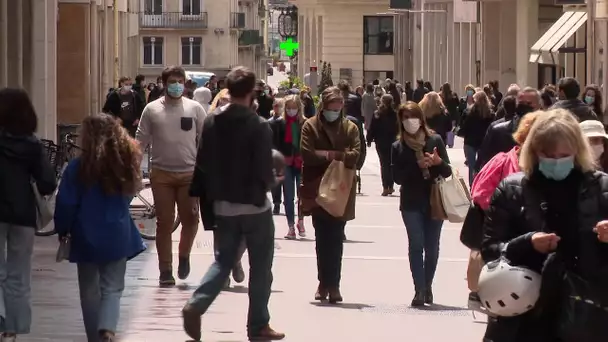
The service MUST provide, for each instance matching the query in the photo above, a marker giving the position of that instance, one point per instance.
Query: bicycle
(144, 214)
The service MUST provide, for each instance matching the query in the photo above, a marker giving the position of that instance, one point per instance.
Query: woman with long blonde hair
(92, 211)
(435, 114)
(287, 131)
(326, 137)
(473, 129)
(550, 219)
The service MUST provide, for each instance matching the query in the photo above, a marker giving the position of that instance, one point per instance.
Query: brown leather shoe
(192, 322)
(266, 334)
(334, 295)
(321, 293)
(385, 192)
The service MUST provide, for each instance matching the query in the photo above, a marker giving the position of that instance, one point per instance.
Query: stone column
(4, 43)
(94, 59)
(19, 46)
(302, 44)
(526, 35)
(314, 59)
(319, 41)
(307, 44)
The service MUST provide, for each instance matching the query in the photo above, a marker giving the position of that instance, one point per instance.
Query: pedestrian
(395, 93)
(92, 210)
(309, 103)
(408, 93)
(368, 105)
(436, 115)
(221, 99)
(598, 140)
(420, 91)
(157, 92)
(473, 129)
(126, 105)
(451, 102)
(352, 102)
(276, 117)
(593, 98)
(418, 158)
(203, 95)
(569, 91)
(24, 160)
(326, 137)
(287, 130)
(264, 100)
(172, 126)
(383, 131)
(139, 87)
(237, 181)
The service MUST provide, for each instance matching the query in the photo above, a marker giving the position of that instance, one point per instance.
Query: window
(378, 35)
(153, 50)
(153, 7)
(191, 7)
(192, 50)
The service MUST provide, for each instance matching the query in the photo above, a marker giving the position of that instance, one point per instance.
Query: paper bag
(437, 210)
(334, 190)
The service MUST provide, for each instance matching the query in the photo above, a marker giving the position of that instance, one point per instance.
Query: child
(92, 210)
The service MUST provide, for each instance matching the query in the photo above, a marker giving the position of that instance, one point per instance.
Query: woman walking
(23, 160)
(326, 137)
(383, 131)
(418, 158)
(92, 210)
(473, 129)
(436, 115)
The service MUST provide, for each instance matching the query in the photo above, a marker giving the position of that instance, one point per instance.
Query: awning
(545, 50)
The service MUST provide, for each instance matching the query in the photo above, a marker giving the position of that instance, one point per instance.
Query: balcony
(237, 20)
(250, 37)
(173, 20)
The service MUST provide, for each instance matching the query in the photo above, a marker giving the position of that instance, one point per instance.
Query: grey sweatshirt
(172, 131)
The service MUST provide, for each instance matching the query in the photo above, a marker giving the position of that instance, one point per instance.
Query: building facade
(63, 53)
(201, 35)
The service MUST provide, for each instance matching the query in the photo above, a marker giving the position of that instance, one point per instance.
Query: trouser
(101, 287)
(169, 189)
(470, 155)
(239, 253)
(329, 245)
(16, 247)
(276, 194)
(423, 235)
(474, 269)
(290, 188)
(258, 231)
(384, 154)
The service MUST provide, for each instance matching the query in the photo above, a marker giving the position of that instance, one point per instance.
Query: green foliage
(292, 82)
(325, 77)
(316, 99)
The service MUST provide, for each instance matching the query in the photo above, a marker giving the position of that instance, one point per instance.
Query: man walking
(125, 104)
(235, 167)
(172, 125)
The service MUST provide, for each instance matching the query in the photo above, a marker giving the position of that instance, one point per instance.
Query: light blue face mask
(556, 169)
(175, 89)
(470, 92)
(331, 115)
(589, 99)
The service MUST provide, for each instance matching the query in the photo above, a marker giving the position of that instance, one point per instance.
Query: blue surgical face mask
(589, 99)
(175, 89)
(331, 115)
(470, 92)
(556, 169)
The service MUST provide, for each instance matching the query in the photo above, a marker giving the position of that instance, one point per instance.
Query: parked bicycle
(142, 211)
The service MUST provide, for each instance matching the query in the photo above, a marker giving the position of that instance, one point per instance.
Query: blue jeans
(470, 154)
(258, 231)
(423, 235)
(101, 287)
(290, 188)
(16, 247)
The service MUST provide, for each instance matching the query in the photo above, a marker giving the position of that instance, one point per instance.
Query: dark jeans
(329, 245)
(258, 231)
(423, 235)
(276, 194)
(384, 154)
(470, 155)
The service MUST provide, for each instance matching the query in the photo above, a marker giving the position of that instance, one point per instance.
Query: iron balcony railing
(237, 20)
(250, 37)
(174, 20)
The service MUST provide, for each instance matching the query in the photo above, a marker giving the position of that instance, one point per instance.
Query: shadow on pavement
(440, 307)
(357, 241)
(243, 289)
(349, 306)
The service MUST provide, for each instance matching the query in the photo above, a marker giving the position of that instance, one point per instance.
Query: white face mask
(597, 150)
(411, 125)
(292, 112)
(127, 87)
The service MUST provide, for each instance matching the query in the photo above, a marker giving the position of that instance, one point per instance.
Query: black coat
(498, 138)
(580, 109)
(23, 159)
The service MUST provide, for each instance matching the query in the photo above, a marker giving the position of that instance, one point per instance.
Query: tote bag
(334, 189)
(455, 197)
(45, 206)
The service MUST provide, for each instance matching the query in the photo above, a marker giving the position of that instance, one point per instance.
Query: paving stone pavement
(376, 285)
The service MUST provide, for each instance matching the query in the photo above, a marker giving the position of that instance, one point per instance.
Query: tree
(325, 77)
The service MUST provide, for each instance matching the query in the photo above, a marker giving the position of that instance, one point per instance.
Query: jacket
(577, 107)
(23, 159)
(264, 105)
(441, 124)
(488, 178)
(319, 135)
(383, 129)
(113, 106)
(278, 126)
(415, 190)
(100, 225)
(518, 210)
(419, 93)
(474, 128)
(352, 106)
(499, 138)
(363, 153)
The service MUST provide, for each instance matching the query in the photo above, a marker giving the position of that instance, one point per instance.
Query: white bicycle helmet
(507, 290)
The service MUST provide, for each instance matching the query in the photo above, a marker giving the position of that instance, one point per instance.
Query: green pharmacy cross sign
(289, 46)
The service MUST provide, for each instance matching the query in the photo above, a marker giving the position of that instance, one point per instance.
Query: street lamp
(288, 22)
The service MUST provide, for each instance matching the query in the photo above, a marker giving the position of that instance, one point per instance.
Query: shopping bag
(437, 210)
(45, 206)
(450, 139)
(334, 189)
(455, 197)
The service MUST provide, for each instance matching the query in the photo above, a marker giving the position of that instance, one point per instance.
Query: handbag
(471, 233)
(455, 197)
(437, 209)
(65, 242)
(45, 206)
(334, 190)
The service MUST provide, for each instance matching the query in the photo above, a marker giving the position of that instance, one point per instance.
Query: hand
(545, 243)
(424, 163)
(335, 155)
(601, 228)
(136, 123)
(434, 158)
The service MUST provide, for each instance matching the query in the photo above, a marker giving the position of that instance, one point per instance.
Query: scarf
(292, 131)
(417, 143)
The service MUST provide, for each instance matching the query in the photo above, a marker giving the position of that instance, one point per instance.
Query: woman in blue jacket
(92, 210)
